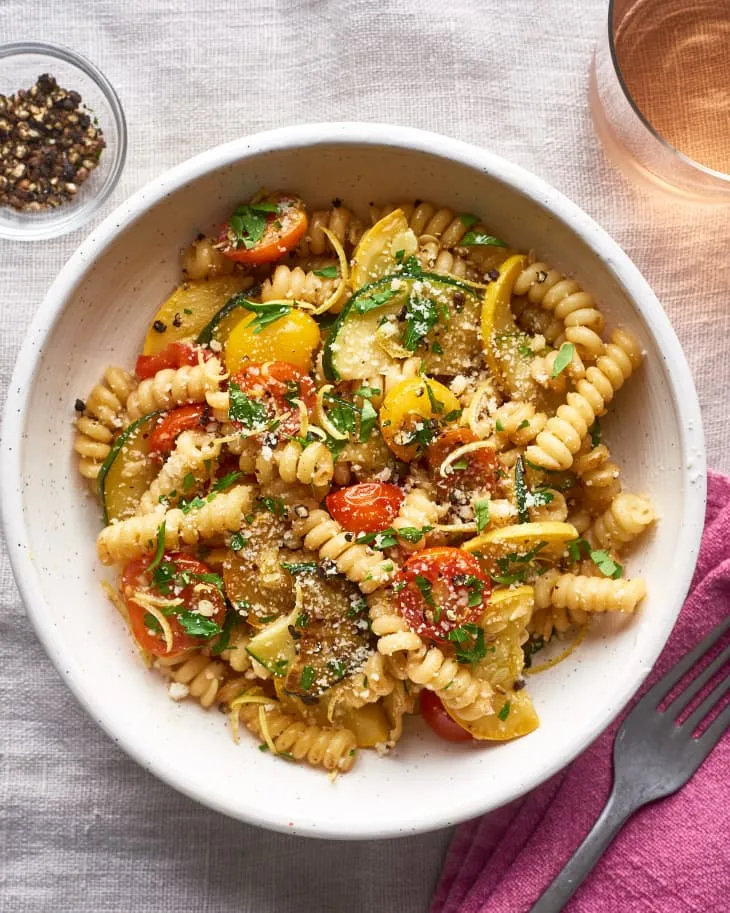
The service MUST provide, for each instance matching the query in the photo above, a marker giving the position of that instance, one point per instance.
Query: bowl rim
(348, 133)
(76, 218)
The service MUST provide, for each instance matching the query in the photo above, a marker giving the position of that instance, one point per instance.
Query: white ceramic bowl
(96, 313)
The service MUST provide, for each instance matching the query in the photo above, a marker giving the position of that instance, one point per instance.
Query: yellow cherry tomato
(413, 413)
(291, 338)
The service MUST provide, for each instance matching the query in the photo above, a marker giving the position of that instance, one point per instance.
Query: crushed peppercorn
(49, 145)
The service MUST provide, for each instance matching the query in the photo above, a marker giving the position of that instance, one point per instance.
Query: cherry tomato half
(475, 472)
(433, 712)
(174, 355)
(285, 223)
(175, 577)
(441, 589)
(369, 507)
(184, 418)
(277, 384)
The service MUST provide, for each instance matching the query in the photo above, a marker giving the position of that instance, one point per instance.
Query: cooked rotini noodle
(556, 510)
(543, 370)
(203, 260)
(626, 518)
(599, 477)
(397, 704)
(104, 415)
(374, 681)
(346, 227)
(570, 304)
(597, 594)
(359, 563)
(182, 470)
(310, 465)
(200, 676)
(171, 387)
(392, 632)
(454, 684)
(295, 284)
(417, 511)
(561, 439)
(236, 654)
(519, 422)
(137, 536)
(384, 383)
(333, 749)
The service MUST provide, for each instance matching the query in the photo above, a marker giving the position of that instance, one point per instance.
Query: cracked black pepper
(49, 145)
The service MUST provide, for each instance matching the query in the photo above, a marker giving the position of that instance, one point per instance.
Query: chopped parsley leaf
(374, 300)
(248, 223)
(188, 482)
(459, 465)
(274, 506)
(565, 356)
(521, 492)
(481, 512)
(151, 623)
(504, 712)
(251, 413)
(307, 679)
(368, 418)
(198, 625)
(327, 272)
(266, 314)
(424, 585)
(337, 667)
(300, 567)
(605, 564)
(238, 541)
(467, 219)
(226, 481)
(422, 314)
(480, 239)
(160, 549)
(469, 640)
(595, 433)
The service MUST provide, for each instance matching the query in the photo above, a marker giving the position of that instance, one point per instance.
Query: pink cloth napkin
(672, 857)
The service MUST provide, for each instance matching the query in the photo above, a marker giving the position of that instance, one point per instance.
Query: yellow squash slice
(375, 255)
(189, 309)
(522, 538)
(514, 716)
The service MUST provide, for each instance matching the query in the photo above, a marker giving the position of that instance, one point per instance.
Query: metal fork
(652, 758)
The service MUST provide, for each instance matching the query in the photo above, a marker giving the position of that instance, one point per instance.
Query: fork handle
(567, 882)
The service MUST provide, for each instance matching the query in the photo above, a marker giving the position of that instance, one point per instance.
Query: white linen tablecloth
(83, 829)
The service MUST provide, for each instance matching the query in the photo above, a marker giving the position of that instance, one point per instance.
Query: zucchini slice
(450, 345)
(127, 472)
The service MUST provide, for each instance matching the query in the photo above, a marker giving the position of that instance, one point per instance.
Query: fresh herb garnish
(384, 539)
(222, 643)
(274, 506)
(151, 623)
(504, 712)
(605, 564)
(469, 640)
(251, 413)
(575, 547)
(307, 679)
(226, 481)
(300, 567)
(238, 541)
(367, 392)
(188, 482)
(475, 586)
(531, 647)
(368, 418)
(424, 585)
(198, 625)
(266, 314)
(481, 513)
(595, 433)
(422, 314)
(540, 497)
(193, 504)
(413, 534)
(521, 492)
(437, 406)
(248, 223)
(467, 219)
(565, 356)
(437, 348)
(459, 465)
(342, 413)
(302, 620)
(327, 272)
(160, 549)
(374, 300)
(480, 239)
(498, 425)
(337, 667)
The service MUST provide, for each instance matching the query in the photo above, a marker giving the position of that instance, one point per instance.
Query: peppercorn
(159, 327)
(49, 144)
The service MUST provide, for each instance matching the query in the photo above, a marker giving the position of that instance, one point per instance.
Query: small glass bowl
(21, 63)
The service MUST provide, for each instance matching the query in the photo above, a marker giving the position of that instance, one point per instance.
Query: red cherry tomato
(176, 576)
(174, 355)
(433, 712)
(184, 418)
(285, 225)
(278, 384)
(369, 507)
(441, 589)
(478, 475)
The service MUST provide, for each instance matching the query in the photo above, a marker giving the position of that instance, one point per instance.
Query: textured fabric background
(82, 828)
